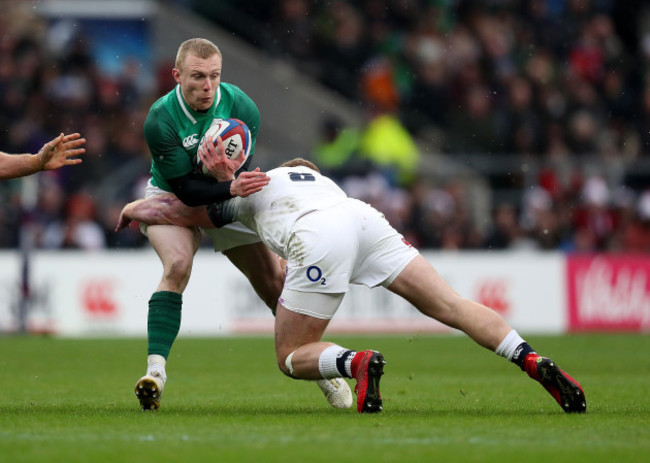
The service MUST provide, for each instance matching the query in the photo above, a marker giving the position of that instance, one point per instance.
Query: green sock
(164, 321)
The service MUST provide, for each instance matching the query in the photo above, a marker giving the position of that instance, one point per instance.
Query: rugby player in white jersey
(329, 242)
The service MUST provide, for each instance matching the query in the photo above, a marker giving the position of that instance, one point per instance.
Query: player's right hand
(61, 151)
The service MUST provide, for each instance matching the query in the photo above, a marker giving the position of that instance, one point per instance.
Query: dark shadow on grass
(275, 410)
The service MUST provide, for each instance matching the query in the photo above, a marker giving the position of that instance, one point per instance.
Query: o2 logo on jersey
(315, 274)
(301, 177)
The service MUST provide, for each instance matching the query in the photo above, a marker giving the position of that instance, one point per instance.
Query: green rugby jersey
(173, 129)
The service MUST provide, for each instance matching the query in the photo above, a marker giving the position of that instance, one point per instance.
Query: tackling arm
(167, 209)
(164, 209)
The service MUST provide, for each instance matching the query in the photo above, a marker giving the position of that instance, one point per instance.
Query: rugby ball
(236, 139)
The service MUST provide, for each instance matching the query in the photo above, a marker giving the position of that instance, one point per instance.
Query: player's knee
(179, 268)
(285, 364)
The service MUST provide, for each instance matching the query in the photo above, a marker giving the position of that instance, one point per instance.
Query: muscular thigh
(421, 285)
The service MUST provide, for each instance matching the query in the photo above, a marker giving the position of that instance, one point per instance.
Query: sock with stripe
(336, 361)
(514, 348)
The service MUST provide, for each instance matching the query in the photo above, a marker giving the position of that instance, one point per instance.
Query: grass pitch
(445, 399)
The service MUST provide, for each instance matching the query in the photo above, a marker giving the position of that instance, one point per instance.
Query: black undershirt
(196, 189)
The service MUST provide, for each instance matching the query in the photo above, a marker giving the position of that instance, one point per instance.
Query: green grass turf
(445, 399)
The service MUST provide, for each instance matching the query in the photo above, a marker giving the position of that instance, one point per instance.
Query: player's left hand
(248, 183)
(57, 153)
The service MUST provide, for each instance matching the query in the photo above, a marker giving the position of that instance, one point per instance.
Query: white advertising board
(82, 294)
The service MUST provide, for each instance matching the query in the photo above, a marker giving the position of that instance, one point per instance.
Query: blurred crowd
(560, 84)
(50, 83)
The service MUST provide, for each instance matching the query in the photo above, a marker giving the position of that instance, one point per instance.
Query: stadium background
(509, 140)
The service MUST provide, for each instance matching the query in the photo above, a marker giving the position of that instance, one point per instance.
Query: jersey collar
(189, 112)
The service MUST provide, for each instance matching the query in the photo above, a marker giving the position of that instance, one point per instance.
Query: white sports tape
(288, 364)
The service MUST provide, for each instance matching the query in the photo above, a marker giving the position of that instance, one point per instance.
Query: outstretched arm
(53, 155)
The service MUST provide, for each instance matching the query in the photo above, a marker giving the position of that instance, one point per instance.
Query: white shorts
(224, 238)
(351, 243)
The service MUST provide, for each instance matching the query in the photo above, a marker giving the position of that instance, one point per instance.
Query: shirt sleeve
(199, 190)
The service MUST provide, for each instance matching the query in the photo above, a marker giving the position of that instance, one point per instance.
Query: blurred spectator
(46, 217)
(431, 210)
(336, 152)
(79, 229)
(636, 232)
(342, 47)
(505, 231)
(472, 125)
(292, 34)
(390, 148)
(522, 125)
(130, 237)
(440, 217)
(595, 215)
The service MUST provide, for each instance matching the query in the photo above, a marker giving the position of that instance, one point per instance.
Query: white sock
(507, 347)
(327, 362)
(156, 363)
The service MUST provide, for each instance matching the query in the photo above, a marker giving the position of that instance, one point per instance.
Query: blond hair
(297, 162)
(202, 48)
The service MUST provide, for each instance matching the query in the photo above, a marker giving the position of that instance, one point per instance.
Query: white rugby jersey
(291, 193)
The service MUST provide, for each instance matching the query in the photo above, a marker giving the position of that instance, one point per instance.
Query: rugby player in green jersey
(173, 130)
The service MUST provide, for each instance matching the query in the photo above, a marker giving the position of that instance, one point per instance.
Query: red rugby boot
(368, 373)
(564, 389)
